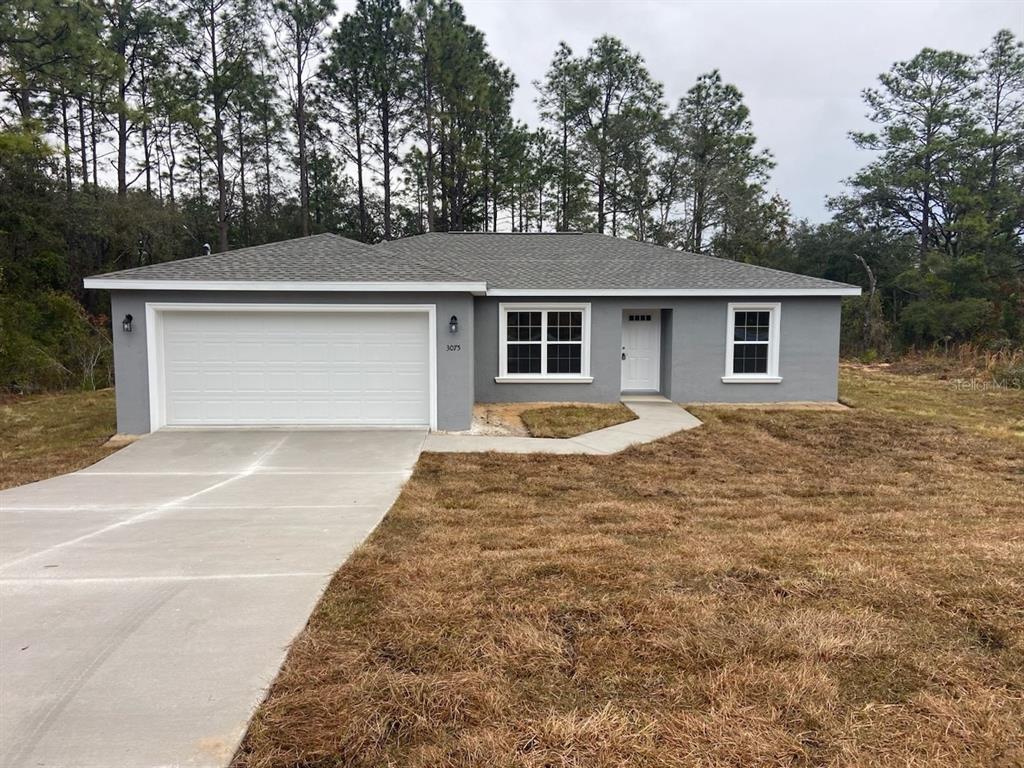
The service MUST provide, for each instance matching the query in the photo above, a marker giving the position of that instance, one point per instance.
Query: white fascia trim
(154, 341)
(543, 379)
(114, 284)
(851, 291)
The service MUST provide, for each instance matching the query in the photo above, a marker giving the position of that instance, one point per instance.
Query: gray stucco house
(327, 331)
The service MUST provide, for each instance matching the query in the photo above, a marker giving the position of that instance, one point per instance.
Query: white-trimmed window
(544, 343)
(752, 343)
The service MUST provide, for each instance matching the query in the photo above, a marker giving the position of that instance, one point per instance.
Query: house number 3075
(454, 347)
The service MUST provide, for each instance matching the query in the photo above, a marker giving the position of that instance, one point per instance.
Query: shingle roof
(585, 260)
(318, 258)
(547, 262)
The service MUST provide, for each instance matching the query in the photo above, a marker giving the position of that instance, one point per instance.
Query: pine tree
(1000, 113)
(387, 50)
(299, 27)
(556, 105)
(223, 46)
(613, 96)
(712, 144)
(922, 111)
(342, 102)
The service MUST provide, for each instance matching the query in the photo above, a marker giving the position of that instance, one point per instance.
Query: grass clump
(573, 420)
(46, 435)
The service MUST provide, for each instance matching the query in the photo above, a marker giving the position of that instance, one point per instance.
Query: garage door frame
(155, 341)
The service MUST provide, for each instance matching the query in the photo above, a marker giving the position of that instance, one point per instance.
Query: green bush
(930, 321)
(47, 341)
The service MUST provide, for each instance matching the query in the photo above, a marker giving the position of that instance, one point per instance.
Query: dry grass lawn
(46, 435)
(970, 403)
(778, 588)
(573, 420)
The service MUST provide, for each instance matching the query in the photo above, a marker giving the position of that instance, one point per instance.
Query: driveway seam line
(148, 513)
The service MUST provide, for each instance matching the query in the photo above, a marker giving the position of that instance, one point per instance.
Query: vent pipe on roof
(206, 249)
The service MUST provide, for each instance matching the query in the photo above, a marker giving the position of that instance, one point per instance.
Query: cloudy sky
(800, 65)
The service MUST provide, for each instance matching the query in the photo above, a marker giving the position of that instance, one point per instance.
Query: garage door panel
(189, 411)
(252, 367)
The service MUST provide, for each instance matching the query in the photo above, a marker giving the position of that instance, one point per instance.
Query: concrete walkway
(149, 600)
(656, 418)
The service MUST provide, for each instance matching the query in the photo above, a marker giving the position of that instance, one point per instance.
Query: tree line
(136, 131)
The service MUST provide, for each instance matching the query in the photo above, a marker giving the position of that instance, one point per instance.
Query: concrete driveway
(147, 602)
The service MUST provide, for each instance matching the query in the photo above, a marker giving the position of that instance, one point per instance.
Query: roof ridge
(471, 232)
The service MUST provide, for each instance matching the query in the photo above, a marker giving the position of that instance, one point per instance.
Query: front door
(641, 350)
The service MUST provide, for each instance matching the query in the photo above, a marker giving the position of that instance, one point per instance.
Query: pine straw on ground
(777, 588)
(46, 435)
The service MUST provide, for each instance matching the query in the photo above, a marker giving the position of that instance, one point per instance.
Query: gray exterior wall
(692, 340)
(693, 352)
(454, 367)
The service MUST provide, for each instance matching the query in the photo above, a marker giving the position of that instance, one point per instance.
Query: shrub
(930, 321)
(47, 341)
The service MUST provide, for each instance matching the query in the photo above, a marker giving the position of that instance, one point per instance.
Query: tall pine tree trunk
(94, 140)
(445, 182)
(172, 163)
(83, 143)
(267, 192)
(364, 226)
(122, 137)
(428, 114)
(147, 154)
(926, 206)
(540, 207)
(218, 133)
(698, 216)
(300, 123)
(565, 177)
(67, 141)
(385, 128)
(244, 197)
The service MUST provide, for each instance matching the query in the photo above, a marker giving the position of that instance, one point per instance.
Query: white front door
(641, 350)
(228, 367)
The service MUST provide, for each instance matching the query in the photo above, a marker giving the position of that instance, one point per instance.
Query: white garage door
(295, 367)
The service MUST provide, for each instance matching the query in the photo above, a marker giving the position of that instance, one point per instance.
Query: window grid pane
(564, 358)
(750, 358)
(752, 326)
(565, 326)
(524, 358)
(523, 326)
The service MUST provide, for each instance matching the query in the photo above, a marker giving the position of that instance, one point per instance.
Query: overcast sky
(800, 65)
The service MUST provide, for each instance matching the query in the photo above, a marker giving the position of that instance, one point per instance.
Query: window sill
(751, 379)
(543, 379)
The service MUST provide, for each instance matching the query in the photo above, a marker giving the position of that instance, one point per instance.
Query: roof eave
(837, 290)
(128, 284)
(476, 288)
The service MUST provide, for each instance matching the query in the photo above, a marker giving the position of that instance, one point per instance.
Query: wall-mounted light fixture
(126, 324)
(453, 324)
